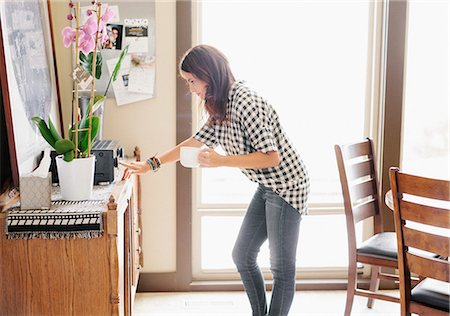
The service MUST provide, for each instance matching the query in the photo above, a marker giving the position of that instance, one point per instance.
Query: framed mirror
(28, 80)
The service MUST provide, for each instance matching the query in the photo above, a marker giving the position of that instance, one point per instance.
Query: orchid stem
(94, 67)
(77, 62)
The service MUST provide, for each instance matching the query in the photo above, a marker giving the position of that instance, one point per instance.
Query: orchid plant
(86, 39)
(88, 34)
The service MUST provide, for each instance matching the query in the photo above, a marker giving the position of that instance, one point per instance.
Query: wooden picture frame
(28, 80)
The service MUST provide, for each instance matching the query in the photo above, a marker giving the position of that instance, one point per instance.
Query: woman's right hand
(138, 167)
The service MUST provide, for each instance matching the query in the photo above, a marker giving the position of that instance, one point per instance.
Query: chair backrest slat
(365, 210)
(421, 266)
(432, 243)
(360, 169)
(415, 199)
(363, 190)
(424, 187)
(425, 214)
(357, 149)
(357, 172)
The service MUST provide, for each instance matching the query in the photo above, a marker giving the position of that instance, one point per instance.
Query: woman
(248, 129)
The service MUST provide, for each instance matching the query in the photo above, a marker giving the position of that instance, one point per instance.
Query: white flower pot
(76, 178)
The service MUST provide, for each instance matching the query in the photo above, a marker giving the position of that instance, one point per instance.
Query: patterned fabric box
(35, 192)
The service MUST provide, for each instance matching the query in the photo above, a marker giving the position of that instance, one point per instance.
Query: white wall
(150, 124)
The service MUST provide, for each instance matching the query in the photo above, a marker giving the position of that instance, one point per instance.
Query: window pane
(324, 232)
(426, 117)
(219, 234)
(309, 59)
(226, 186)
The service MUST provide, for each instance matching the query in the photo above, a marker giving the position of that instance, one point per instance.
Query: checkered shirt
(253, 126)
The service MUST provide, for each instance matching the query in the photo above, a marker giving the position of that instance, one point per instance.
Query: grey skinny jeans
(268, 217)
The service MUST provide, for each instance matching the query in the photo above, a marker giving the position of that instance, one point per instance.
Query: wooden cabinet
(77, 276)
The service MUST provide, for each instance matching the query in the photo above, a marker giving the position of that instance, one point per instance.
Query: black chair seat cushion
(432, 293)
(382, 245)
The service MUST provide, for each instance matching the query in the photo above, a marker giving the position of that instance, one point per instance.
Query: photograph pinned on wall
(114, 40)
(136, 35)
(125, 79)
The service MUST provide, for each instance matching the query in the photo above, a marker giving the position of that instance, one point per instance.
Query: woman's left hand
(209, 158)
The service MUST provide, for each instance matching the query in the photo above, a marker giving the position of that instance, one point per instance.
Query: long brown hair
(210, 65)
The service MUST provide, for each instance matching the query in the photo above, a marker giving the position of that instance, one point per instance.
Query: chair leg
(351, 286)
(374, 283)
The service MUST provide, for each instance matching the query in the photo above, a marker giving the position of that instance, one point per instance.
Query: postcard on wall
(136, 35)
(142, 73)
(120, 86)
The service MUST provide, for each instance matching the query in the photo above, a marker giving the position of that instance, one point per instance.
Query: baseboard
(305, 284)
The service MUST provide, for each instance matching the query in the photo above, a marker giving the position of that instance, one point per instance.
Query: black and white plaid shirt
(253, 126)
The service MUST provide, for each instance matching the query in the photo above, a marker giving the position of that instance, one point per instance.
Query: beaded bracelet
(154, 163)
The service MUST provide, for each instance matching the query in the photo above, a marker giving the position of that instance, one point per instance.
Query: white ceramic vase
(76, 178)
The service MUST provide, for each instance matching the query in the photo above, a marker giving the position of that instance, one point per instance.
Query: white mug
(189, 156)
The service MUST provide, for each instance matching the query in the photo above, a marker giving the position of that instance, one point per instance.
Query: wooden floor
(235, 303)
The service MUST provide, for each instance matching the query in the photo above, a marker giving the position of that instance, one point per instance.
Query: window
(312, 61)
(425, 143)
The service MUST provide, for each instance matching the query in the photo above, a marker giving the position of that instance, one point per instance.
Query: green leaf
(63, 146)
(70, 132)
(98, 100)
(86, 63)
(99, 63)
(68, 156)
(83, 57)
(53, 130)
(119, 62)
(45, 131)
(83, 135)
(113, 76)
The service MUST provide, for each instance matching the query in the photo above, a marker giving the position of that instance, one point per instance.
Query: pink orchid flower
(69, 35)
(90, 27)
(105, 36)
(108, 15)
(106, 18)
(86, 35)
(86, 42)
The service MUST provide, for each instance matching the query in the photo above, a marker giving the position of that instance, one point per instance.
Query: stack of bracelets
(154, 163)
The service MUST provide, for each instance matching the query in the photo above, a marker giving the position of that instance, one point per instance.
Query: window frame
(386, 97)
(373, 112)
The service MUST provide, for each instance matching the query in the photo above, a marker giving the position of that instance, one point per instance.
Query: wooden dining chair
(356, 164)
(422, 221)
